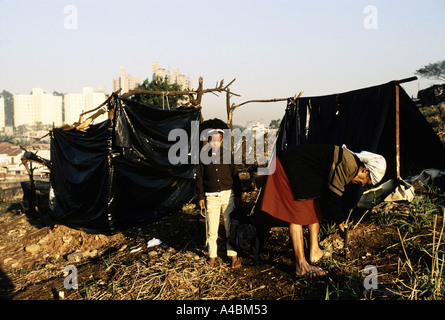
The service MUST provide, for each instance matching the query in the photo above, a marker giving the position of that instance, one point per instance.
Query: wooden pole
(33, 196)
(397, 132)
(231, 108)
(397, 106)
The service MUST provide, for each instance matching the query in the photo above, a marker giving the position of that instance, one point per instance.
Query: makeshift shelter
(380, 119)
(117, 174)
(432, 96)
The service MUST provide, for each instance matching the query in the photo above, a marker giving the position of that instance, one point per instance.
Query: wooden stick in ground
(403, 247)
(435, 257)
(360, 219)
(433, 260)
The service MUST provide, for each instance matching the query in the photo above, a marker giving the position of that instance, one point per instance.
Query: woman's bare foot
(236, 263)
(318, 255)
(211, 262)
(305, 269)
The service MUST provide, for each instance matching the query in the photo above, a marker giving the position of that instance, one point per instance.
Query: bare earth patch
(34, 252)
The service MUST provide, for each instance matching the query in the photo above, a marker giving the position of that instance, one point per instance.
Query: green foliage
(385, 218)
(162, 101)
(433, 70)
(14, 140)
(275, 124)
(9, 107)
(6, 138)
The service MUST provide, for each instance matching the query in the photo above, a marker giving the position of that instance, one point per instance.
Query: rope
(166, 97)
(163, 99)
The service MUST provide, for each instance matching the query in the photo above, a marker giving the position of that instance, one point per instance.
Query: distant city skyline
(49, 109)
(274, 49)
(46, 108)
(172, 77)
(72, 113)
(125, 82)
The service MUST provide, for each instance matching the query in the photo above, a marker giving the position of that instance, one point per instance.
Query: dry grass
(435, 115)
(177, 276)
(404, 241)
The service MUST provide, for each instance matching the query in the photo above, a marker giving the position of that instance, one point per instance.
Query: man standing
(217, 187)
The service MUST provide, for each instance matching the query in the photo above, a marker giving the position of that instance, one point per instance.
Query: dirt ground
(35, 253)
(393, 238)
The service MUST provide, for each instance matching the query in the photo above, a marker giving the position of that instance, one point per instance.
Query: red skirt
(278, 200)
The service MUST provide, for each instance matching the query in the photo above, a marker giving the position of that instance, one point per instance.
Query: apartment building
(37, 107)
(125, 82)
(23, 109)
(74, 104)
(77, 103)
(181, 79)
(172, 77)
(45, 108)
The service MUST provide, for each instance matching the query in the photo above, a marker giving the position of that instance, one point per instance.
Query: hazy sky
(274, 49)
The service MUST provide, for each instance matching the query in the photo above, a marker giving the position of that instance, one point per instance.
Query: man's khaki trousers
(216, 204)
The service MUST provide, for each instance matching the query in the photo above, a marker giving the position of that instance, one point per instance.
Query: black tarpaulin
(117, 174)
(433, 95)
(365, 119)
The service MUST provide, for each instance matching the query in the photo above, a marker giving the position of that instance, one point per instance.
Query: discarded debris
(153, 242)
(135, 250)
(79, 255)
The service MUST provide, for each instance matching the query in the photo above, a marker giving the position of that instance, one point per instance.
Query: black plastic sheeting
(365, 119)
(117, 175)
(40, 193)
(432, 96)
